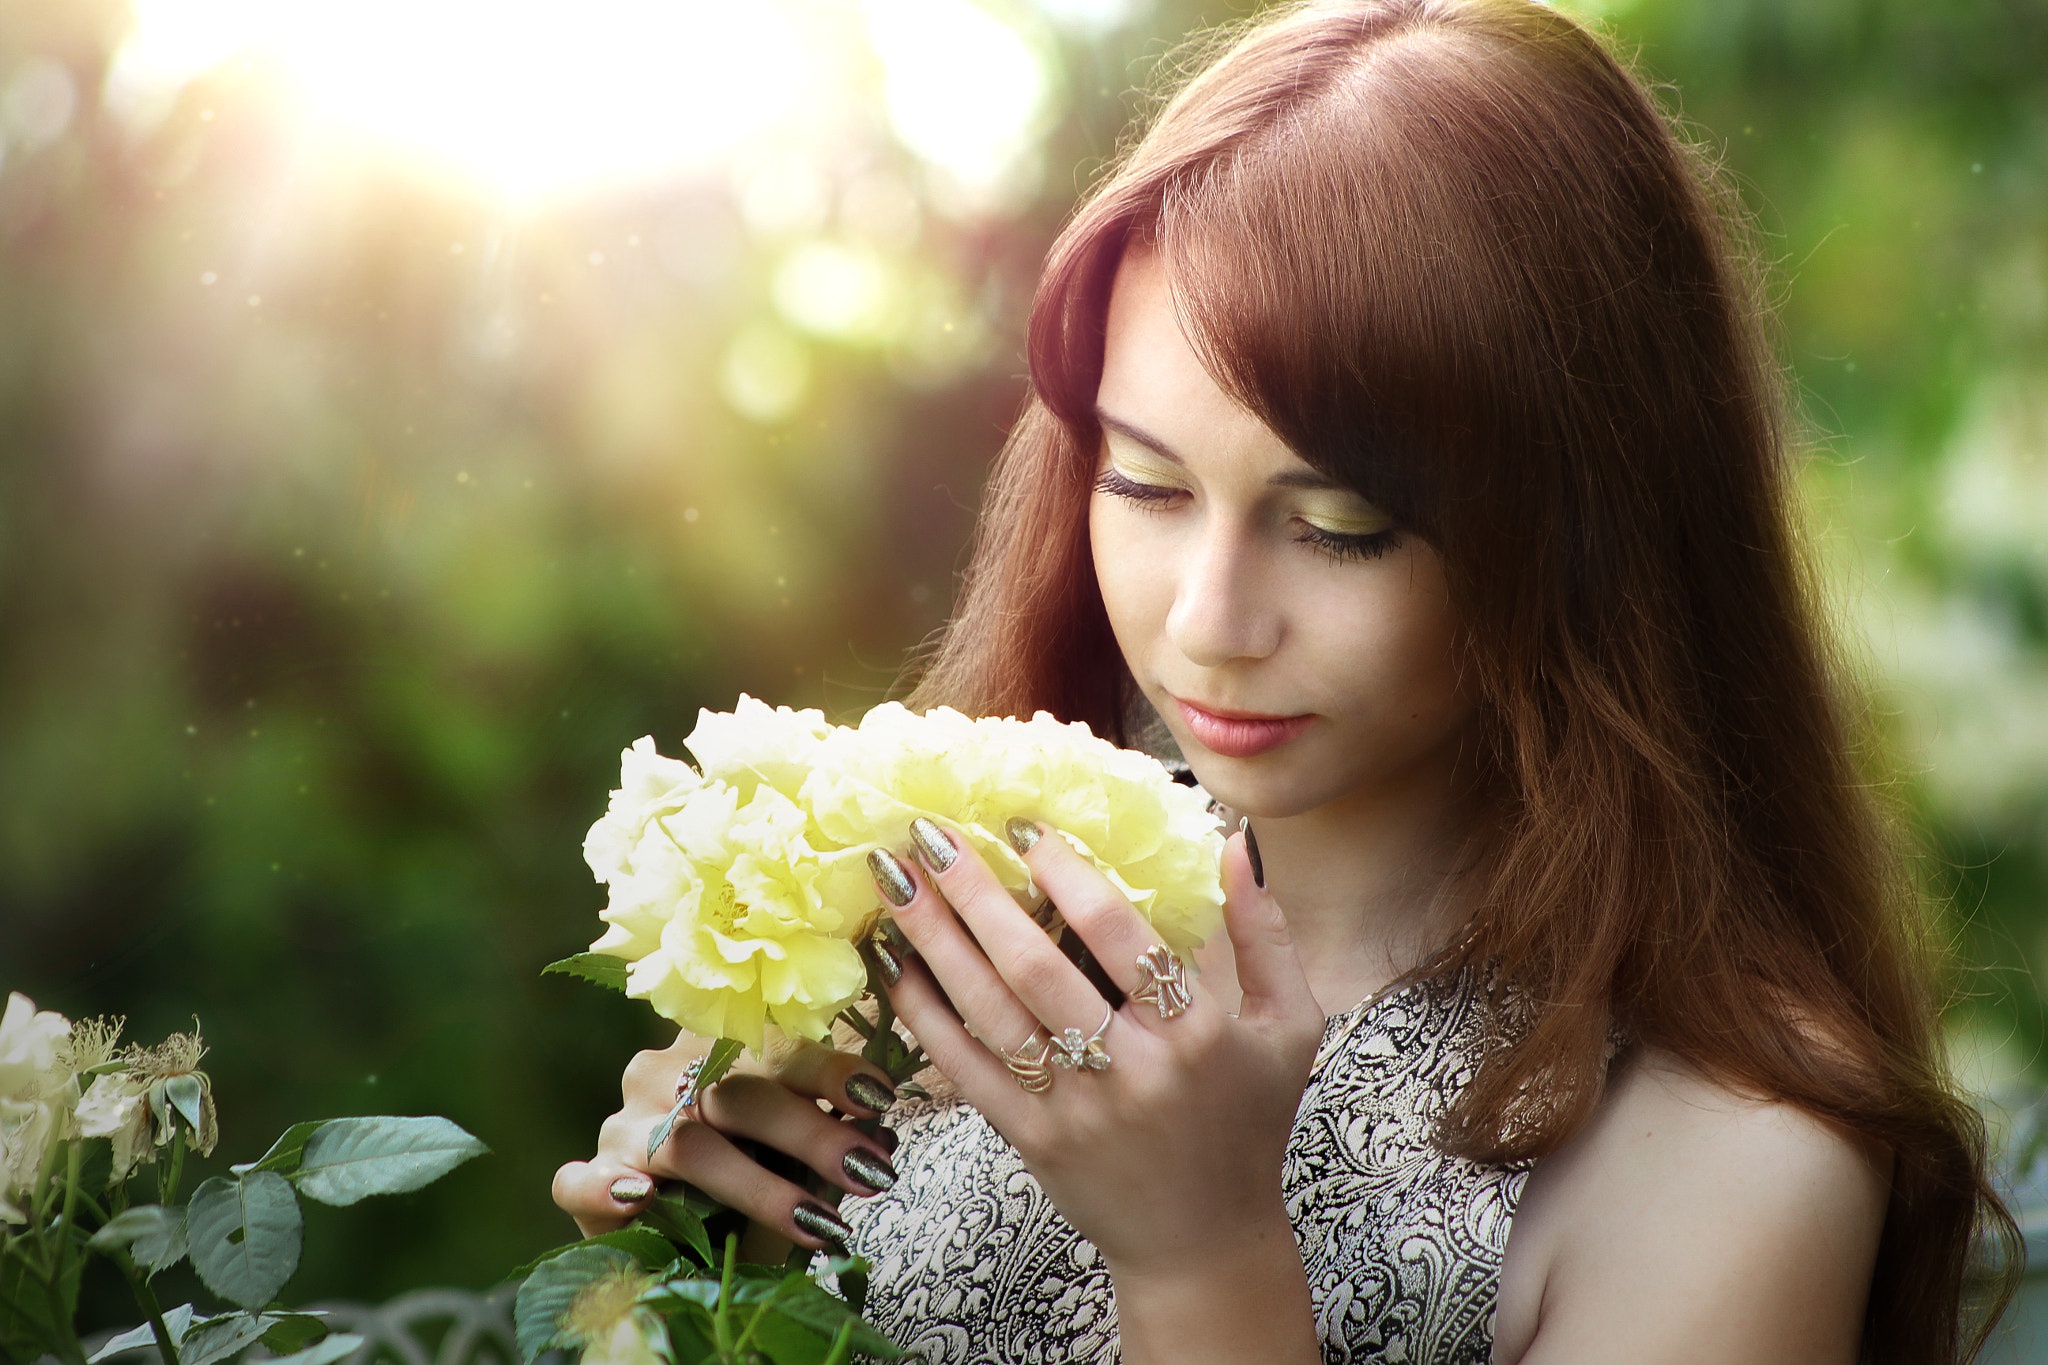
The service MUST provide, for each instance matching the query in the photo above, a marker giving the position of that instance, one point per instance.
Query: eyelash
(1369, 545)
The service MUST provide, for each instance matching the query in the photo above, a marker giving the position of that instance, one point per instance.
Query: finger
(767, 1112)
(1027, 961)
(1269, 971)
(588, 1191)
(975, 994)
(981, 1075)
(700, 1154)
(1089, 902)
(849, 1083)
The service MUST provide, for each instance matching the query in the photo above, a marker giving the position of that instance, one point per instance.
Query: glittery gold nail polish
(1023, 834)
(934, 845)
(870, 1170)
(821, 1223)
(869, 1093)
(887, 963)
(631, 1189)
(891, 877)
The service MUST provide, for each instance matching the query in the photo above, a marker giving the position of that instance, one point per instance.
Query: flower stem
(760, 1312)
(168, 1177)
(145, 1298)
(721, 1321)
(64, 1236)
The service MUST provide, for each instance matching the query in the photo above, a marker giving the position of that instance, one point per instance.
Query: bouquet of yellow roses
(740, 898)
(740, 890)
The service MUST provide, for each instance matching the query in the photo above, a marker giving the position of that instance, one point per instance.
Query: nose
(1222, 605)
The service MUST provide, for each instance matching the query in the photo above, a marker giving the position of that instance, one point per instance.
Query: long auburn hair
(1451, 252)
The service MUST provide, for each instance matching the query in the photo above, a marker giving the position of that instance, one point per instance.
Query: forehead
(1154, 379)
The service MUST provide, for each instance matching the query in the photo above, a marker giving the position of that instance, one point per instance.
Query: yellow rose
(1152, 837)
(730, 920)
(738, 893)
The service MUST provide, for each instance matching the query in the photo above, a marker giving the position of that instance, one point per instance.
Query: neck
(1374, 884)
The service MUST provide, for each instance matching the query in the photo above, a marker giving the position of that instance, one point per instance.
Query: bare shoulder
(1688, 1222)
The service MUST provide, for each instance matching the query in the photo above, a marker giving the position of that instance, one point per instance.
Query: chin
(1261, 788)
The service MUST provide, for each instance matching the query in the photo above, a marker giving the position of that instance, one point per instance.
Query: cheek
(1129, 577)
(1403, 649)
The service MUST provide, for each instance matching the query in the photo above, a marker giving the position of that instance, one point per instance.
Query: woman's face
(1301, 647)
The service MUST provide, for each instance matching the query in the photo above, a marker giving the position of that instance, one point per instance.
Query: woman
(1403, 436)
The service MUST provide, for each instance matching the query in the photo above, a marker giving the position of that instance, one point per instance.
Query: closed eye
(1120, 485)
(1349, 545)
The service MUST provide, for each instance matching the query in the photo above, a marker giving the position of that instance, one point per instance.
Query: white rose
(116, 1106)
(36, 1090)
(30, 1042)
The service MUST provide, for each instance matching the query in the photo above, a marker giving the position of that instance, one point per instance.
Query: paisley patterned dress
(1402, 1243)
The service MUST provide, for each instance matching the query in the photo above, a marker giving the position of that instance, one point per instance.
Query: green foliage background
(332, 586)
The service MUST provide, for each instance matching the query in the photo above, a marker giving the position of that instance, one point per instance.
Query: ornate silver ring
(1028, 1062)
(1072, 1052)
(1165, 983)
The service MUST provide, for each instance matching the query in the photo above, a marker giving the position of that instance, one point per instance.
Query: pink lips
(1242, 735)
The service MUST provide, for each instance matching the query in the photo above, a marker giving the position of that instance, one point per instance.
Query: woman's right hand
(775, 1102)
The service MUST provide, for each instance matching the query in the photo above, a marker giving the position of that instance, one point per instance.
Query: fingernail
(887, 1137)
(1023, 834)
(933, 844)
(870, 1170)
(1251, 851)
(888, 965)
(891, 877)
(821, 1223)
(631, 1189)
(869, 1093)
(891, 930)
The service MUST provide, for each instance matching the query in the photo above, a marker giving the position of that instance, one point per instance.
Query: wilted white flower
(177, 1090)
(116, 1106)
(611, 1324)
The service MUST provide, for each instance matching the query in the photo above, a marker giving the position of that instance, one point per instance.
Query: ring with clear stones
(1072, 1052)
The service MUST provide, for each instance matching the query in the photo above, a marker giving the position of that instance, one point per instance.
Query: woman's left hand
(1168, 1158)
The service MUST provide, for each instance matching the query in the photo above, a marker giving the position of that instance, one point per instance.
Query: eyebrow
(1310, 478)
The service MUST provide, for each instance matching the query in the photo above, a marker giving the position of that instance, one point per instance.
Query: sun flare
(547, 98)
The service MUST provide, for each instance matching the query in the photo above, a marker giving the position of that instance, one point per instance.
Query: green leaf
(218, 1338)
(549, 1290)
(709, 1071)
(35, 1318)
(186, 1096)
(678, 1294)
(289, 1332)
(178, 1322)
(325, 1352)
(674, 1219)
(350, 1159)
(807, 1302)
(153, 1234)
(789, 1343)
(644, 1245)
(245, 1232)
(600, 969)
(284, 1154)
(851, 1273)
(690, 1338)
(717, 1062)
